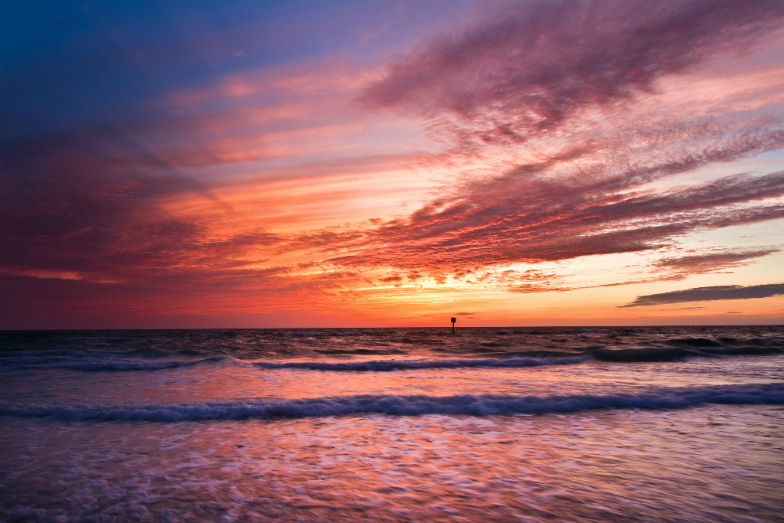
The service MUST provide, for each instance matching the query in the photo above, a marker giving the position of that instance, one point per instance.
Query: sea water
(658, 424)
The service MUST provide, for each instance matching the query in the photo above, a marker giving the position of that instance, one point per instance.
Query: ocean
(626, 424)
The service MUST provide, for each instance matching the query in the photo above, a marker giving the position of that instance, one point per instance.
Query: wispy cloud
(718, 292)
(678, 268)
(497, 156)
(528, 68)
(571, 80)
(541, 220)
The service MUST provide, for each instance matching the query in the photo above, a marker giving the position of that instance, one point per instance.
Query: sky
(228, 164)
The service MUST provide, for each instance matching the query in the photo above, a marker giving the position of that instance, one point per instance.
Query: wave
(740, 351)
(158, 360)
(417, 405)
(325, 334)
(102, 364)
(360, 351)
(393, 365)
(641, 355)
(502, 359)
(676, 354)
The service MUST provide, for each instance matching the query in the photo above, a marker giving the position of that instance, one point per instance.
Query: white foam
(414, 405)
(101, 363)
(392, 365)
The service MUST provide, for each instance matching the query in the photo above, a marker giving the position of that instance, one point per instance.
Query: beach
(647, 424)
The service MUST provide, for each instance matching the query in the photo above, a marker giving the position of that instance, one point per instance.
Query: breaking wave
(414, 405)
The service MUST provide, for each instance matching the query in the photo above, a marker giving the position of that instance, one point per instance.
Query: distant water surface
(655, 424)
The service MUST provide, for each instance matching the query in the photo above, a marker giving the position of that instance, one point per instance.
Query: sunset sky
(390, 163)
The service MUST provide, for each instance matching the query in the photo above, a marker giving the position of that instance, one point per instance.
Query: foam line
(391, 365)
(102, 364)
(468, 405)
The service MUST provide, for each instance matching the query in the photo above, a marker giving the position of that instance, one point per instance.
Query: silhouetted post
(453, 324)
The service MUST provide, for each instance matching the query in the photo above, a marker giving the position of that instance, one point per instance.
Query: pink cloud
(277, 86)
(527, 68)
(678, 268)
(529, 215)
(570, 79)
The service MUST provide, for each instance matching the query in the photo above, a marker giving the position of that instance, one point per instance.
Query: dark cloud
(171, 292)
(68, 207)
(395, 279)
(528, 67)
(719, 292)
(67, 210)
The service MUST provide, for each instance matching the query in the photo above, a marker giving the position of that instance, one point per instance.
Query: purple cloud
(532, 220)
(678, 268)
(95, 206)
(67, 208)
(719, 292)
(528, 67)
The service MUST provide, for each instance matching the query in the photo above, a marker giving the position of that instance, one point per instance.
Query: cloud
(395, 279)
(529, 67)
(674, 268)
(584, 85)
(597, 186)
(63, 208)
(677, 268)
(68, 209)
(719, 292)
(525, 281)
(541, 220)
(587, 198)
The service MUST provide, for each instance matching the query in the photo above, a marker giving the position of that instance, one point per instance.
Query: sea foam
(406, 405)
(392, 365)
(102, 364)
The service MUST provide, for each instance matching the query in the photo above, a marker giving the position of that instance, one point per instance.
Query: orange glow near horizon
(464, 163)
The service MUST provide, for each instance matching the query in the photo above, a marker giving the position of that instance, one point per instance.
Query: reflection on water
(707, 464)
(231, 380)
(169, 426)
